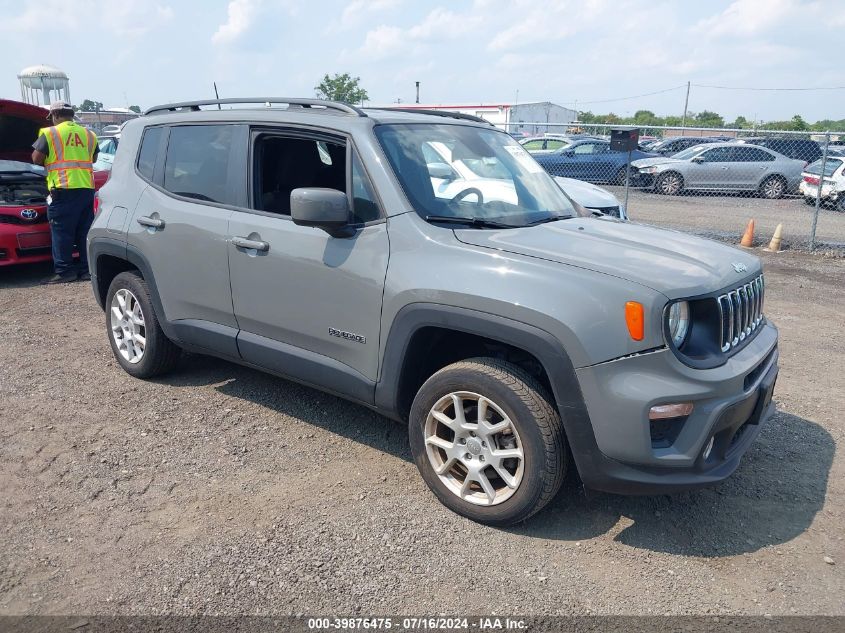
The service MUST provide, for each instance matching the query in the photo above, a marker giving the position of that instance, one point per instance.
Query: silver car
(721, 167)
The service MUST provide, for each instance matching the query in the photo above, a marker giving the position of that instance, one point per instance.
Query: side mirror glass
(327, 209)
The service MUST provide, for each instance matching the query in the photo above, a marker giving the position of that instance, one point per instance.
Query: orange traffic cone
(748, 237)
(777, 238)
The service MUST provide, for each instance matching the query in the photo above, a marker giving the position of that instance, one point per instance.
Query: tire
(670, 183)
(620, 177)
(516, 404)
(840, 203)
(127, 303)
(773, 187)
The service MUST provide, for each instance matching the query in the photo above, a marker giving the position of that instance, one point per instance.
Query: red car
(24, 230)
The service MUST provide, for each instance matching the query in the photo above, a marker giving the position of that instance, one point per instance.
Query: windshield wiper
(476, 222)
(553, 218)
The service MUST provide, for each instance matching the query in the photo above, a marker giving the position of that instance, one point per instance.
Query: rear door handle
(243, 242)
(154, 223)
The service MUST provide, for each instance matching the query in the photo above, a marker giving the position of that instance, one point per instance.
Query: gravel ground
(724, 216)
(221, 490)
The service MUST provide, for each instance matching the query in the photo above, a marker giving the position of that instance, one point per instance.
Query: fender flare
(539, 343)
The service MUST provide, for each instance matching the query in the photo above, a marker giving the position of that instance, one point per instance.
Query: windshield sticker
(524, 158)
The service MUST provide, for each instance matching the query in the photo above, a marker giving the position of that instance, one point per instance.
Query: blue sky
(475, 51)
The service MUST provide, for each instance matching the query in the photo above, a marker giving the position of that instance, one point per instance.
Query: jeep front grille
(741, 312)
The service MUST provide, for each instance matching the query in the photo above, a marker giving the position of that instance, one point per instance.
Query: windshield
(457, 171)
(690, 152)
(830, 166)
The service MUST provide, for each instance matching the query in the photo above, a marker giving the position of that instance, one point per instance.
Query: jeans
(71, 213)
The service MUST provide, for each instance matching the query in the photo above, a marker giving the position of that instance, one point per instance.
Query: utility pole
(686, 107)
(418, 91)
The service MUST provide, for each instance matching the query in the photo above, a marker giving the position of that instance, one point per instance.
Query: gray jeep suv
(510, 329)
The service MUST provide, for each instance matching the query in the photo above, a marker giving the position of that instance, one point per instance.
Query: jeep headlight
(678, 318)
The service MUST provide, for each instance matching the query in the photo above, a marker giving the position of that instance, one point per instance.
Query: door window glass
(718, 155)
(584, 148)
(197, 163)
(283, 164)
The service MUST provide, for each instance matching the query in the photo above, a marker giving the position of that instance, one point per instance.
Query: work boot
(84, 276)
(65, 278)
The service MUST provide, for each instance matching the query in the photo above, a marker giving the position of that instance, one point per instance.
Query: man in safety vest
(67, 150)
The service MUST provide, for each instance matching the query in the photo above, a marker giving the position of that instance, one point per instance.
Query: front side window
(718, 155)
(496, 179)
(584, 148)
(197, 163)
(285, 163)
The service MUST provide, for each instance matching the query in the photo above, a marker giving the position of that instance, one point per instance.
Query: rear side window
(197, 163)
(148, 152)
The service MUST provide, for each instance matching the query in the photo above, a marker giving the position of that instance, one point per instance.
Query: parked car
(309, 243)
(805, 150)
(591, 160)
(722, 167)
(490, 181)
(833, 185)
(675, 144)
(108, 144)
(24, 229)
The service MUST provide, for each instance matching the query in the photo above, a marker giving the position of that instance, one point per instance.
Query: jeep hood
(675, 264)
(19, 125)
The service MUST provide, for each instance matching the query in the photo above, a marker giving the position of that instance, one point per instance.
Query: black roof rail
(444, 113)
(267, 101)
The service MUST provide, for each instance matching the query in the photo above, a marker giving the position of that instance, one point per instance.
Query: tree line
(706, 118)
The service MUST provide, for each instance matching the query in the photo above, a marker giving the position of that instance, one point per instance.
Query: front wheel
(621, 176)
(669, 184)
(487, 441)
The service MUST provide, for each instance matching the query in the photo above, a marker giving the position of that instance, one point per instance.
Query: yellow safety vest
(70, 158)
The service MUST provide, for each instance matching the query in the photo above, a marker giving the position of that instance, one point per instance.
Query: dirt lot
(724, 216)
(222, 490)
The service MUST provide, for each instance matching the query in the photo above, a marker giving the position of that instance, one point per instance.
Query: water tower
(41, 85)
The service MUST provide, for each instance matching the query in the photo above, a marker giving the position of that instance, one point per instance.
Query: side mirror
(327, 209)
(568, 153)
(698, 159)
(440, 170)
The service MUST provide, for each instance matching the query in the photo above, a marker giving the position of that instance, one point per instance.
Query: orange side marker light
(635, 318)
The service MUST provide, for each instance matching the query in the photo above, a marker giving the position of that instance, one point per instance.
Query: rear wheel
(487, 441)
(773, 187)
(137, 340)
(669, 184)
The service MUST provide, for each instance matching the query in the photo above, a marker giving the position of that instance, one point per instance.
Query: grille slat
(740, 312)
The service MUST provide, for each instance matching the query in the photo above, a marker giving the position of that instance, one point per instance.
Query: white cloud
(750, 17)
(438, 24)
(240, 17)
(357, 10)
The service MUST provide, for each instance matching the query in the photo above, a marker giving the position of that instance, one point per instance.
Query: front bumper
(731, 403)
(24, 243)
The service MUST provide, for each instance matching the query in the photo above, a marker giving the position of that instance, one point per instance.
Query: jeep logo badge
(29, 214)
(739, 267)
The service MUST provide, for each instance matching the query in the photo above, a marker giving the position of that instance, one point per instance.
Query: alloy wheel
(127, 326)
(474, 448)
(773, 188)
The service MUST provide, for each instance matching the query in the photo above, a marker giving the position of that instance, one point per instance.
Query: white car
(833, 182)
(451, 177)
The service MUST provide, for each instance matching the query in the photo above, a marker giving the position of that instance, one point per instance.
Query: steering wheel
(468, 192)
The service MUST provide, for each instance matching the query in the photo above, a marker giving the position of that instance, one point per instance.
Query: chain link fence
(709, 181)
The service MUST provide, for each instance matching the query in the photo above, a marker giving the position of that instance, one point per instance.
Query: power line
(648, 94)
(768, 89)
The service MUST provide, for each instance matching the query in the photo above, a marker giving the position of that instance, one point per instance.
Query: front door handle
(257, 245)
(154, 223)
